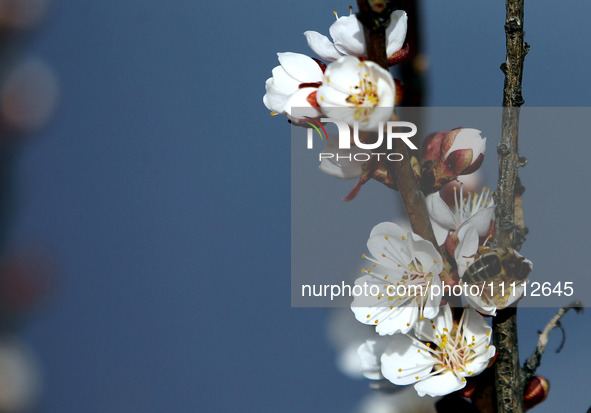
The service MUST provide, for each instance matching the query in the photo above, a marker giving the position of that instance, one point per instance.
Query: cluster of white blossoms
(349, 88)
(424, 347)
(417, 340)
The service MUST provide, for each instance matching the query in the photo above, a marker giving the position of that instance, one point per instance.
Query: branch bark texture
(508, 380)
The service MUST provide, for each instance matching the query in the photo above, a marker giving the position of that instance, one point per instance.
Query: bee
(500, 265)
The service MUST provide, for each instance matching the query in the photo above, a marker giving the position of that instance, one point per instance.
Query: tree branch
(508, 381)
(533, 362)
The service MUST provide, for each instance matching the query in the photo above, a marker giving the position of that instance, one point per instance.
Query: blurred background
(145, 195)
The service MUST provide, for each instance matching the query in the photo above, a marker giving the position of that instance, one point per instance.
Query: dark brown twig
(508, 381)
(533, 362)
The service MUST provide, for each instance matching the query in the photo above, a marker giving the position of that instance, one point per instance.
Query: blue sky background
(162, 186)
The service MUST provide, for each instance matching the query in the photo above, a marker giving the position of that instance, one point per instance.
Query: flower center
(470, 205)
(414, 285)
(452, 350)
(364, 96)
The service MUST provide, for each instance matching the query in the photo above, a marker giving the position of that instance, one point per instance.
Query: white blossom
(357, 91)
(293, 85)
(439, 357)
(404, 269)
(347, 35)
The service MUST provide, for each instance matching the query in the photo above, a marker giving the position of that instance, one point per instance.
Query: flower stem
(508, 380)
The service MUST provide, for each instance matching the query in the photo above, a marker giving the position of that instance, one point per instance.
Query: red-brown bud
(536, 392)
(463, 150)
(446, 155)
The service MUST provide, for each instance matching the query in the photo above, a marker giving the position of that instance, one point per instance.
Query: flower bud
(463, 150)
(536, 392)
(446, 155)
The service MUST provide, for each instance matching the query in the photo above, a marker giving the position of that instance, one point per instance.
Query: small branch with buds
(532, 363)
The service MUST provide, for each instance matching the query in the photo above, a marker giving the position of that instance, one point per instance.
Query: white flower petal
(440, 384)
(387, 238)
(385, 84)
(404, 363)
(299, 101)
(322, 46)
(396, 31)
(334, 103)
(398, 320)
(426, 253)
(433, 303)
(440, 232)
(481, 220)
(300, 67)
(347, 33)
(344, 71)
(475, 327)
(477, 333)
(282, 82)
(480, 363)
(275, 102)
(440, 212)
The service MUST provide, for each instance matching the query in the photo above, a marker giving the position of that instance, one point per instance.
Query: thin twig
(508, 382)
(414, 201)
(533, 362)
